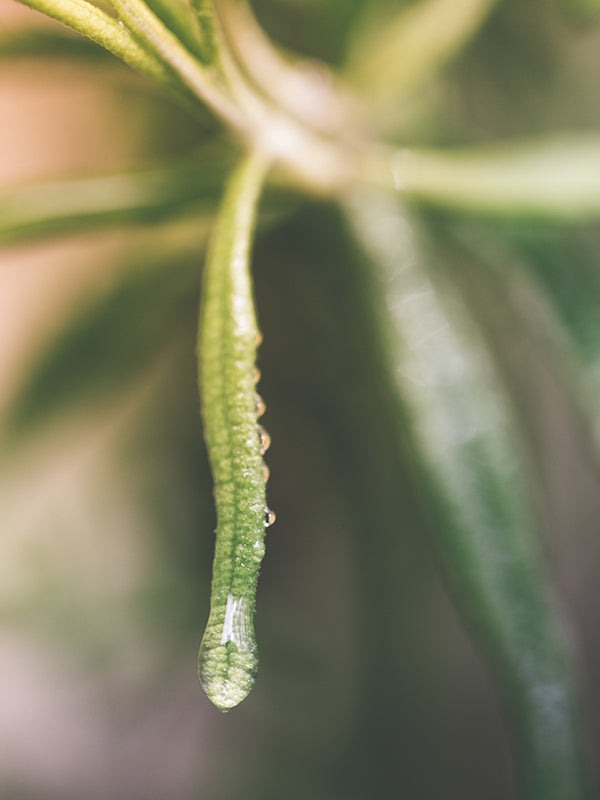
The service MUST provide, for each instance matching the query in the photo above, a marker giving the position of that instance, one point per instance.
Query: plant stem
(194, 75)
(105, 31)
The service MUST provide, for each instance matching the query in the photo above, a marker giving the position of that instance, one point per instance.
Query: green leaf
(76, 204)
(227, 343)
(456, 421)
(557, 178)
(400, 53)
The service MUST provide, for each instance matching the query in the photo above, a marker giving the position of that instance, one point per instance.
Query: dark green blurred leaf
(475, 486)
(74, 205)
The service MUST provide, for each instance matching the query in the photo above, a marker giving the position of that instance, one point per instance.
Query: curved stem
(196, 77)
(105, 31)
(304, 88)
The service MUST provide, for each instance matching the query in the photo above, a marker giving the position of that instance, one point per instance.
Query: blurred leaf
(406, 49)
(74, 205)
(557, 178)
(468, 458)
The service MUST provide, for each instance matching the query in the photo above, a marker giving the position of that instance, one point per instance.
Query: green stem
(105, 31)
(557, 177)
(193, 74)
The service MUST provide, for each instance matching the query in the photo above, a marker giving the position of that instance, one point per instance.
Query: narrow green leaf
(557, 178)
(76, 204)
(227, 343)
(400, 53)
(195, 76)
(468, 456)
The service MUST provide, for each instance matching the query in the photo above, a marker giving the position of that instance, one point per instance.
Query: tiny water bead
(265, 440)
(269, 517)
(260, 406)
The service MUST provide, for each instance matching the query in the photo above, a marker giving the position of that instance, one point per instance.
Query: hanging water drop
(261, 406)
(269, 517)
(265, 440)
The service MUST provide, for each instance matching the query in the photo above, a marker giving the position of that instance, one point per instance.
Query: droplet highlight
(269, 517)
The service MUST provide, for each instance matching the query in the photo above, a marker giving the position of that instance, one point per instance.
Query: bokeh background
(369, 686)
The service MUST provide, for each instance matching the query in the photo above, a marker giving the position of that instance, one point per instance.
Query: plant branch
(555, 177)
(194, 75)
(304, 88)
(105, 31)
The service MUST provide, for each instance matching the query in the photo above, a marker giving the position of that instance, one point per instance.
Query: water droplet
(266, 473)
(265, 440)
(259, 338)
(260, 405)
(269, 517)
(256, 375)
